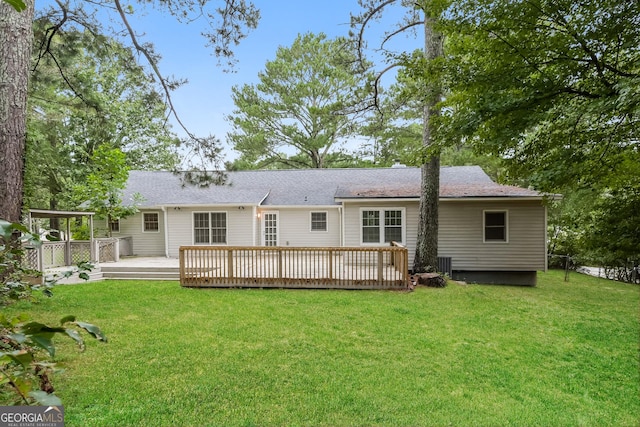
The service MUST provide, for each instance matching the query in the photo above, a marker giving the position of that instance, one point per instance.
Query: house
(492, 233)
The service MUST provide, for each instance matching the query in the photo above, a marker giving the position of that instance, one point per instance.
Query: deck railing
(67, 253)
(288, 267)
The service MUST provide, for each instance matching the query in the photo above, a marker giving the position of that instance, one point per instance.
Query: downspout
(341, 216)
(165, 216)
(254, 220)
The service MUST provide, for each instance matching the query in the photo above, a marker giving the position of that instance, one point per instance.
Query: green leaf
(68, 318)
(6, 228)
(93, 330)
(21, 318)
(43, 340)
(46, 399)
(21, 357)
(32, 328)
(18, 5)
(76, 337)
(19, 338)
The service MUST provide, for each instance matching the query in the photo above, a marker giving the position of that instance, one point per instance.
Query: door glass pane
(270, 229)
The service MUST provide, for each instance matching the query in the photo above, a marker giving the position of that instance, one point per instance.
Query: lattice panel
(80, 252)
(30, 258)
(53, 255)
(107, 250)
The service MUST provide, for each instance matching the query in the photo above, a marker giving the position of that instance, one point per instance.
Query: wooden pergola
(68, 215)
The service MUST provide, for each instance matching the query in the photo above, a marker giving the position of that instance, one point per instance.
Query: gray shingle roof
(313, 187)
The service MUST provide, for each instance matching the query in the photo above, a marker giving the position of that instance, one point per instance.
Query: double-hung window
(319, 221)
(382, 225)
(150, 222)
(210, 228)
(495, 226)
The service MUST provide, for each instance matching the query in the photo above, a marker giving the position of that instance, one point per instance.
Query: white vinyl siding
(143, 243)
(294, 228)
(461, 236)
(239, 224)
(461, 233)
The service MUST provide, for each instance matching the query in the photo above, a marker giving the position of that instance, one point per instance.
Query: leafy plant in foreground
(24, 371)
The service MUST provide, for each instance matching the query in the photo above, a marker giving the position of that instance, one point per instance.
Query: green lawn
(557, 354)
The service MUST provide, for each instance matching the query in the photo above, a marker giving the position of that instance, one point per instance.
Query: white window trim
(193, 230)
(151, 231)
(326, 230)
(506, 226)
(382, 210)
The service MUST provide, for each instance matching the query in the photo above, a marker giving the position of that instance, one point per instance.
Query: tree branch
(154, 66)
(399, 30)
(369, 16)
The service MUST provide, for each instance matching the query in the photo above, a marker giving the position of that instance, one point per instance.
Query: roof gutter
(165, 215)
(442, 199)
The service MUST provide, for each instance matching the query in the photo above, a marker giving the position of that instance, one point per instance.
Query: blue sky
(205, 100)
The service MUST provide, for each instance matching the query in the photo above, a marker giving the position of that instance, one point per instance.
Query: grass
(560, 353)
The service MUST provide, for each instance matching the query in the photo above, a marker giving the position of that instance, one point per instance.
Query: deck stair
(94, 275)
(144, 269)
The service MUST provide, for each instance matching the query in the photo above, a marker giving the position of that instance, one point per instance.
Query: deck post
(230, 263)
(182, 265)
(380, 269)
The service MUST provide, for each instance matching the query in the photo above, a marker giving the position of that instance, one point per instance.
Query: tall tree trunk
(16, 36)
(426, 258)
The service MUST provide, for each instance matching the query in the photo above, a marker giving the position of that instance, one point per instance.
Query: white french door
(270, 228)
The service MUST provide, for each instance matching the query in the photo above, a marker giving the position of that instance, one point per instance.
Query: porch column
(91, 242)
(67, 253)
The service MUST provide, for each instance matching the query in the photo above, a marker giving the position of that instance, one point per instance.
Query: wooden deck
(287, 267)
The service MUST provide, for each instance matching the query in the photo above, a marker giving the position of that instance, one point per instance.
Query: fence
(62, 254)
(286, 267)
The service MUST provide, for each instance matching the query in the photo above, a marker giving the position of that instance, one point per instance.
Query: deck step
(141, 269)
(141, 275)
(94, 275)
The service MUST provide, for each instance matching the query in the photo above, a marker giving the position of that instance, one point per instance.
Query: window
(495, 226)
(150, 222)
(114, 225)
(210, 227)
(318, 221)
(392, 226)
(370, 226)
(382, 225)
